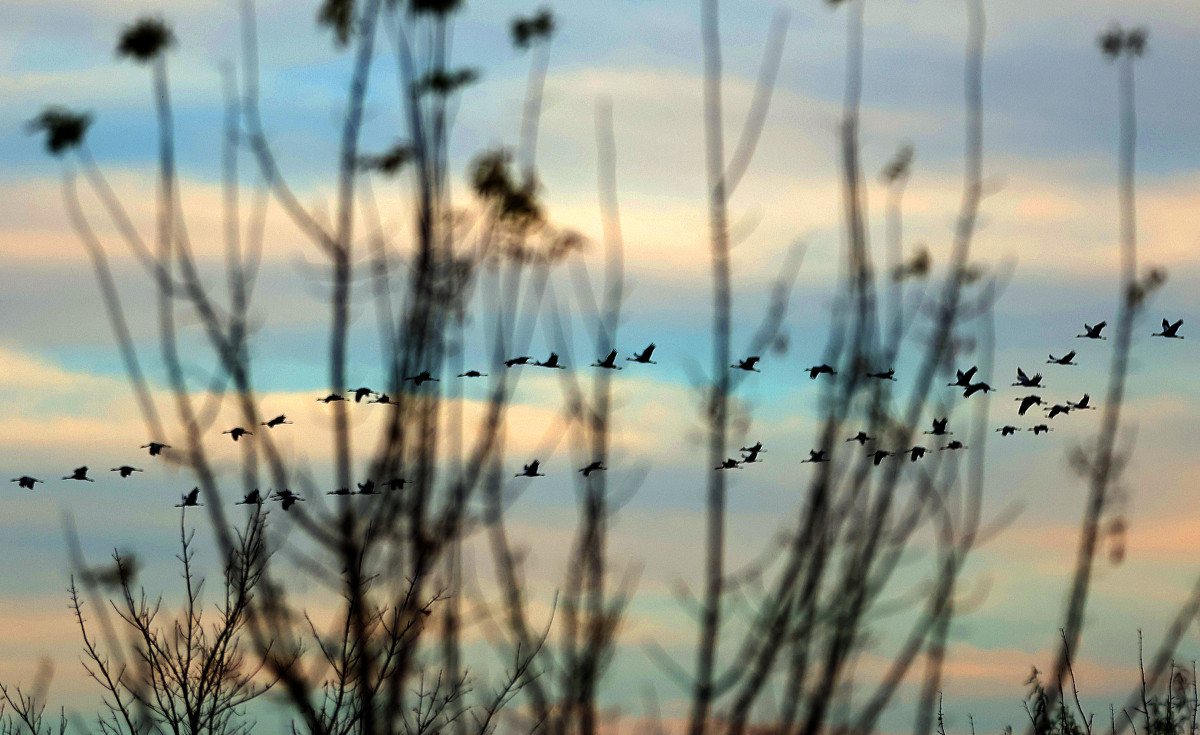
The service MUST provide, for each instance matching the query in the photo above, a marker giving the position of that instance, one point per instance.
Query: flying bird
(1169, 330)
(340, 491)
(384, 399)
(747, 365)
(890, 374)
(1026, 402)
(1040, 429)
(191, 500)
(1084, 403)
(80, 473)
(878, 456)
(816, 370)
(1092, 331)
(472, 374)
(644, 356)
(939, 427)
(395, 482)
(815, 455)
(862, 438)
(422, 377)
(361, 393)
(608, 363)
(1057, 409)
(531, 470)
(517, 361)
(974, 388)
(367, 488)
(287, 497)
(756, 448)
(752, 454)
(963, 378)
(280, 419)
(155, 448)
(551, 362)
(26, 481)
(1007, 430)
(1064, 360)
(332, 398)
(729, 464)
(1025, 381)
(252, 498)
(238, 432)
(125, 470)
(915, 453)
(593, 467)
(954, 445)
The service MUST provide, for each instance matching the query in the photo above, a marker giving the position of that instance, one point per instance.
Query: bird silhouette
(1057, 409)
(422, 377)
(963, 378)
(332, 398)
(287, 497)
(551, 362)
(155, 448)
(472, 374)
(747, 365)
(384, 399)
(752, 453)
(593, 467)
(1092, 331)
(1027, 402)
(608, 363)
(974, 388)
(340, 491)
(1025, 381)
(815, 455)
(531, 470)
(125, 470)
(26, 481)
(395, 482)
(862, 438)
(1064, 360)
(361, 393)
(915, 453)
(939, 427)
(889, 374)
(277, 421)
(954, 445)
(644, 356)
(816, 370)
(1169, 330)
(80, 473)
(518, 361)
(878, 456)
(1040, 429)
(191, 500)
(1007, 430)
(1083, 404)
(729, 464)
(367, 488)
(252, 498)
(238, 432)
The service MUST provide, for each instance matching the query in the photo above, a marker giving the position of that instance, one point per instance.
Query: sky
(1050, 216)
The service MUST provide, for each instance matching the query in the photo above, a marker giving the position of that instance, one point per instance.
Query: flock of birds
(750, 455)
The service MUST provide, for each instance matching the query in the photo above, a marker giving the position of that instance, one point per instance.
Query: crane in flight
(747, 364)
(596, 466)
(252, 498)
(125, 470)
(191, 499)
(644, 356)
(963, 378)
(155, 448)
(531, 470)
(816, 370)
(815, 455)
(551, 362)
(1092, 331)
(26, 481)
(1025, 381)
(277, 421)
(238, 432)
(608, 363)
(1170, 330)
(862, 438)
(80, 473)
(1064, 360)
(1027, 402)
